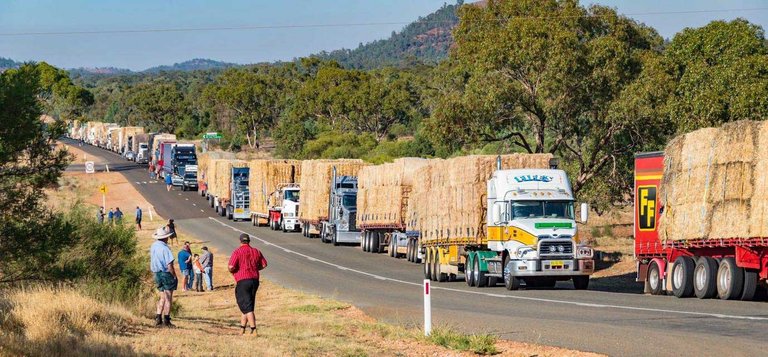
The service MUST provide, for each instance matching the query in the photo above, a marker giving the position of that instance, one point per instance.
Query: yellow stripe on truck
(647, 177)
(511, 233)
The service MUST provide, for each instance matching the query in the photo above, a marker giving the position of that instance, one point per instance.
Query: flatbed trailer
(395, 239)
(728, 267)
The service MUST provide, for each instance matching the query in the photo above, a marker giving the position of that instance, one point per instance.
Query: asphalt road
(615, 323)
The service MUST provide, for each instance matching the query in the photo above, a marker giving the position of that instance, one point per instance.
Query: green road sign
(211, 136)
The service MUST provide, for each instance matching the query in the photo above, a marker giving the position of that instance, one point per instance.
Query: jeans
(199, 281)
(188, 272)
(208, 276)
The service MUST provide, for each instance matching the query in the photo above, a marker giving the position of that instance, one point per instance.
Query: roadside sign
(213, 135)
(89, 167)
(103, 188)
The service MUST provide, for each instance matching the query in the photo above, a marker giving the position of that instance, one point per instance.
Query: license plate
(556, 264)
(238, 210)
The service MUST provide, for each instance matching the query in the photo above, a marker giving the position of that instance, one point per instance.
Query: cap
(245, 238)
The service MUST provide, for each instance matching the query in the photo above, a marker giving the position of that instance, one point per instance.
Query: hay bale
(458, 186)
(220, 172)
(315, 182)
(714, 183)
(266, 177)
(204, 163)
(384, 191)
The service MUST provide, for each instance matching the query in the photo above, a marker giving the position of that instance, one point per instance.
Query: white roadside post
(427, 309)
(150, 214)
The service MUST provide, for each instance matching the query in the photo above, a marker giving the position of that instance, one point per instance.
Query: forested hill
(7, 63)
(192, 65)
(425, 40)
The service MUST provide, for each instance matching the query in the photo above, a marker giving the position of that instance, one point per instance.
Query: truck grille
(556, 248)
(352, 221)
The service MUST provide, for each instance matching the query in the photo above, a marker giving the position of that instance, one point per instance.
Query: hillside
(7, 63)
(192, 65)
(425, 40)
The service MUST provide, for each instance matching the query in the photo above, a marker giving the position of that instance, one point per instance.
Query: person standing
(100, 215)
(185, 265)
(172, 227)
(161, 265)
(168, 182)
(111, 216)
(118, 216)
(206, 260)
(151, 171)
(138, 218)
(245, 264)
(198, 269)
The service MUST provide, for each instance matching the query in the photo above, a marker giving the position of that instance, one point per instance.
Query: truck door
(647, 205)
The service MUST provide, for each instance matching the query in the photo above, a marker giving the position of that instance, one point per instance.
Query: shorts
(245, 294)
(165, 281)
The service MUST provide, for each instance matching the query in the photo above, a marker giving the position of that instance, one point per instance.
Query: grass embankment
(71, 320)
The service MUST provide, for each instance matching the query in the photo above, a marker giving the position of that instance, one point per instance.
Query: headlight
(552, 249)
(584, 252)
(560, 248)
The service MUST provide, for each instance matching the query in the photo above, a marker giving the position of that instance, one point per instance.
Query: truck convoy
(227, 188)
(700, 213)
(176, 157)
(275, 193)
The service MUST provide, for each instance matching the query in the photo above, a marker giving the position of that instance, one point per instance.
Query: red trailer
(728, 268)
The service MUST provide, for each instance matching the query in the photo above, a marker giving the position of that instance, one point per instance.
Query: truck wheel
(282, 225)
(427, 267)
(374, 243)
(335, 239)
(439, 275)
(581, 282)
(230, 214)
(705, 278)
(682, 277)
(654, 280)
(408, 250)
(364, 241)
(469, 276)
(479, 276)
(750, 285)
(391, 248)
(510, 281)
(435, 264)
(730, 280)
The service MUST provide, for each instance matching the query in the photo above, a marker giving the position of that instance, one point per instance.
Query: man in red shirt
(244, 264)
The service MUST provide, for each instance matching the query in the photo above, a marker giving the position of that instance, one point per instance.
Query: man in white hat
(161, 264)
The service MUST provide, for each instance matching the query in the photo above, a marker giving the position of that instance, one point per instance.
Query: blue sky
(142, 50)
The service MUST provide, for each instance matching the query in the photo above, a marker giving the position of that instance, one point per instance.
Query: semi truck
(283, 209)
(341, 225)
(517, 226)
(155, 146)
(176, 158)
(727, 267)
(236, 206)
(189, 178)
(317, 177)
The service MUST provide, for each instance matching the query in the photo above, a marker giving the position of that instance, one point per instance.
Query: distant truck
(189, 178)
(176, 159)
(141, 144)
(341, 227)
(283, 209)
(236, 204)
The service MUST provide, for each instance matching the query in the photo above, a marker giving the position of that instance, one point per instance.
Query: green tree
(157, 106)
(721, 71)
(548, 76)
(31, 236)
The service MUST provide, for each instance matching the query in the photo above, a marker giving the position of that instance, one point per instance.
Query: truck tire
(479, 275)
(750, 285)
(469, 276)
(705, 278)
(654, 280)
(427, 267)
(335, 239)
(408, 250)
(510, 281)
(730, 280)
(282, 226)
(230, 213)
(364, 241)
(374, 243)
(682, 277)
(435, 264)
(581, 282)
(391, 248)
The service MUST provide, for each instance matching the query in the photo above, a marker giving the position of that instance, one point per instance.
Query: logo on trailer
(533, 178)
(646, 215)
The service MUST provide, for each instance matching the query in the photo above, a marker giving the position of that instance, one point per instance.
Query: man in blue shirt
(161, 265)
(138, 218)
(185, 265)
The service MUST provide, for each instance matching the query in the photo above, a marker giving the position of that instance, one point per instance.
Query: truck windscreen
(349, 201)
(542, 209)
(291, 196)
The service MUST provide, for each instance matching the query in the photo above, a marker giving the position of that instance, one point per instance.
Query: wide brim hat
(162, 233)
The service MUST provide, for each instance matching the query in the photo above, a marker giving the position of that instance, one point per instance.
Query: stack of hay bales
(384, 191)
(126, 133)
(156, 140)
(715, 183)
(220, 176)
(266, 176)
(448, 201)
(315, 185)
(204, 160)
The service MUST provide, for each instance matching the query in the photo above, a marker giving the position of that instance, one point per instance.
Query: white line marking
(204, 211)
(138, 183)
(144, 182)
(194, 204)
(187, 199)
(554, 301)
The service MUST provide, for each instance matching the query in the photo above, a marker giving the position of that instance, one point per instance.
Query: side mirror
(584, 212)
(496, 213)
